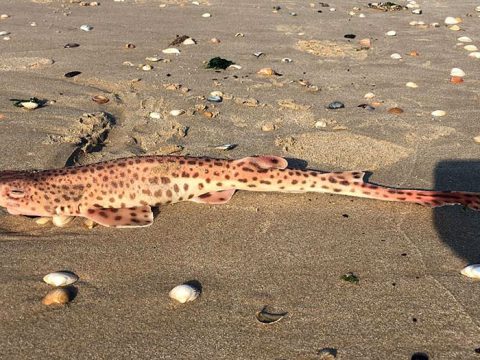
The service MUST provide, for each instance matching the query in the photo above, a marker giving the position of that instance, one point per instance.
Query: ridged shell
(184, 293)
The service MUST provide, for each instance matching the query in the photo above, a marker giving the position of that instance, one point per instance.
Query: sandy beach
(287, 251)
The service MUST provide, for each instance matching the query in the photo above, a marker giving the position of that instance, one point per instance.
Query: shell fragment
(173, 51)
(472, 271)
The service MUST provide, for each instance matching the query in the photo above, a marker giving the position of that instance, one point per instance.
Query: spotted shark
(121, 193)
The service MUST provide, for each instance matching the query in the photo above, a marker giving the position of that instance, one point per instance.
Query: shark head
(18, 193)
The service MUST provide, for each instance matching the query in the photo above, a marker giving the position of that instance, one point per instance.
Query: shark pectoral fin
(266, 162)
(214, 198)
(121, 218)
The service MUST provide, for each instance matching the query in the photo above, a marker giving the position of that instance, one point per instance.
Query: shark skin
(121, 193)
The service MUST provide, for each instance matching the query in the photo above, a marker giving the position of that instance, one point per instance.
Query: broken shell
(29, 105)
(147, 67)
(189, 41)
(130, 46)
(472, 271)
(454, 27)
(171, 51)
(267, 72)
(258, 54)
(457, 72)
(391, 33)
(266, 317)
(470, 48)
(456, 79)
(225, 147)
(100, 99)
(465, 39)
(3, 33)
(215, 40)
(59, 296)
(234, 66)
(177, 112)
(365, 43)
(411, 85)
(417, 11)
(184, 293)
(153, 58)
(396, 56)
(438, 113)
(450, 20)
(43, 220)
(475, 55)
(239, 35)
(86, 28)
(4, 16)
(61, 278)
(206, 15)
(287, 60)
(369, 95)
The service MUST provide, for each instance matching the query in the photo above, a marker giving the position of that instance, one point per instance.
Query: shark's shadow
(459, 228)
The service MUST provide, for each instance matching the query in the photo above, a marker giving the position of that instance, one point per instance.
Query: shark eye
(16, 194)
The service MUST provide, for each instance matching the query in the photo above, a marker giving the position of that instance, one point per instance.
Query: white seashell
(235, 67)
(477, 139)
(239, 35)
(454, 27)
(470, 48)
(411, 85)
(361, 15)
(413, 23)
(391, 33)
(206, 15)
(60, 278)
(153, 58)
(147, 67)
(472, 271)
(43, 220)
(396, 56)
(287, 60)
(320, 124)
(477, 9)
(216, 93)
(369, 95)
(177, 112)
(195, 3)
(189, 41)
(155, 115)
(3, 33)
(30, 105)
(450, 20)
(475, 55)
(6, 38)
(86, 27)
(171, 51)
(417, 11)
(184, 293)
(4, 16)
(457, 72)
(465, 39)
(438, 113)
(333, 9)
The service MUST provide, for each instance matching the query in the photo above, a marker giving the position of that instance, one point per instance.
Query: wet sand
(287, 251)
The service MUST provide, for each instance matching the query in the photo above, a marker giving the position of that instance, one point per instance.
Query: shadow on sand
(459, 229)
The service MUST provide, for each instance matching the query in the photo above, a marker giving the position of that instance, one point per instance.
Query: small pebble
(336, 105)
(206, 15)
(350, 36)
(391, 33)
(411, 85)
(456, 79)
(457, 72)
(320, 124)
(396, 56)
(365, 43)
(395, 110)
(86, 28)
(477, 139)
(177, 112)
(58, 296)
(268, 127)
(100, 99)
(267, 72)
(361, 15)
(438, 113)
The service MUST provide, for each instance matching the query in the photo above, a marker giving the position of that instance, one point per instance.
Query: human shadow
(459, 228)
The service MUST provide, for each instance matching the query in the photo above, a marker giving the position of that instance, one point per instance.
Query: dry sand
(287, 251)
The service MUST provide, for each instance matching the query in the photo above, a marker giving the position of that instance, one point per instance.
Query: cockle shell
(171, 51)
(472, 271)
(457, 72)
(61, 278)
(184, 293)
